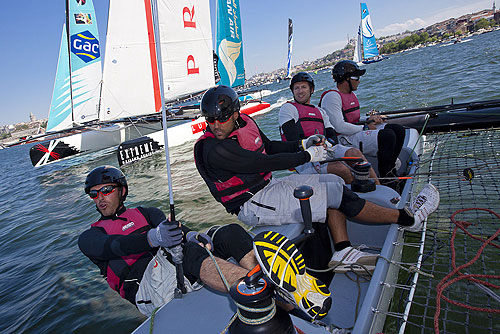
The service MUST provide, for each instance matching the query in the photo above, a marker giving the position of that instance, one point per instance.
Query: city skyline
(29, 66)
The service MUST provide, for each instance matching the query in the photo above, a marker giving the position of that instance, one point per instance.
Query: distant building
(32, 117)
(4, 130)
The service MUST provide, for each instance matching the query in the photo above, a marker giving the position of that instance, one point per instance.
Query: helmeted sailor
(128, 246)
(300, 119)
(375, 138)
(235, 159)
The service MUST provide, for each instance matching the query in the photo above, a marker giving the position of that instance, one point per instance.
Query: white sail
(186, 42)
(130, 77)
(357, 47)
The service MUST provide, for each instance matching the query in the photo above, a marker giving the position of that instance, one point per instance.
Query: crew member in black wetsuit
(235, 159)
(376, 138)
(123, 244)
(300, 119)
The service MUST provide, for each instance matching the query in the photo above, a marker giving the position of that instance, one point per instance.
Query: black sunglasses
(221, 119)
(106, 190)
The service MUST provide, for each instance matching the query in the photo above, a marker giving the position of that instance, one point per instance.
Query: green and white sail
(229, 46)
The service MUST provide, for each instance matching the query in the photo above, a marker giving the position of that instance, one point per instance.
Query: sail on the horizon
(370, 48)
(290, 45)
(75, 97)
(229, 46)
(357, 47)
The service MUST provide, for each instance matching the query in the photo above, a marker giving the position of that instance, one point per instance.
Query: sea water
(48, 286)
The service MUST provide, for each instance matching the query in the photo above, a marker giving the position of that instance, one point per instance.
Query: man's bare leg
(249, 261)
(373, 213)
(340, 169)
(337, 225)
(210, 275)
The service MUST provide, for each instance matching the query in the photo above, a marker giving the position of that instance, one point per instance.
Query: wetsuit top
(113, 252)
(332, 102)
(222, 159)
(299, 121)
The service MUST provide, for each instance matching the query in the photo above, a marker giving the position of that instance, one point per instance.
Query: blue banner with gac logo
(229, 47)
(83, 36)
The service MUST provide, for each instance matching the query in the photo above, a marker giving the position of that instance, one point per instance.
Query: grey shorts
(339, 151)
(276, 205)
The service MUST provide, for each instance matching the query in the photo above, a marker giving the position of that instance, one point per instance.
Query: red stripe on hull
(254, 109)
(152, 54)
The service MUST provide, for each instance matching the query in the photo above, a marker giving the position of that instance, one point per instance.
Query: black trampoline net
(463, 253)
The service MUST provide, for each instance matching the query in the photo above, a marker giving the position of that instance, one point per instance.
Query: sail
(357, 47)
(130, 77)
(186, 47)
(369, 44)
(229, 45)
(60, 116)
(290, 45)
(130, 80)
(85, 59)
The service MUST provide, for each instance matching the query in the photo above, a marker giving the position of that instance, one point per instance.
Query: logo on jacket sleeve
(85, 46)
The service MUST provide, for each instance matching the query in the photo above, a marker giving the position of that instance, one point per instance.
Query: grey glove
(167, 234)
(330, 150)
(311, 141)
(317, 153)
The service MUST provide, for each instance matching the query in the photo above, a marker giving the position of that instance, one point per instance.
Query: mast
(177, 250)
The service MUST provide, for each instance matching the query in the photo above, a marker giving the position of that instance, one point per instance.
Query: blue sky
(31, 32)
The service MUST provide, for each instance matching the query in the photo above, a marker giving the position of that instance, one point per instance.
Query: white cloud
(437, 16)
(396, 28)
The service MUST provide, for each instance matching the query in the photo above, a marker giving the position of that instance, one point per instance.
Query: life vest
(310, 121)
(350, 105)
(229, 188)
(132, 222)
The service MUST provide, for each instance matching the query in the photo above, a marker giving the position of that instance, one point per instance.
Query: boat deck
(467, 300)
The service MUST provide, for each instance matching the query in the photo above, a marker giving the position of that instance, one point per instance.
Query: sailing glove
(311, 141)
(317, 153)
(167, 234)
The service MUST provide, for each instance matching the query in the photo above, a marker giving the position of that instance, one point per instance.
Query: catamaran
(89, 114)
(366, 50)
(83, 118)
(230, 72)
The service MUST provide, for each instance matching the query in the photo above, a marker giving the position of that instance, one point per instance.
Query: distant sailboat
(290, 46)
(366, 50)
(357, 48)
(82, 116)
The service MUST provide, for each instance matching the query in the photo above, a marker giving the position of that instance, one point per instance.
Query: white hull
(178, 134)
(87, 141)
